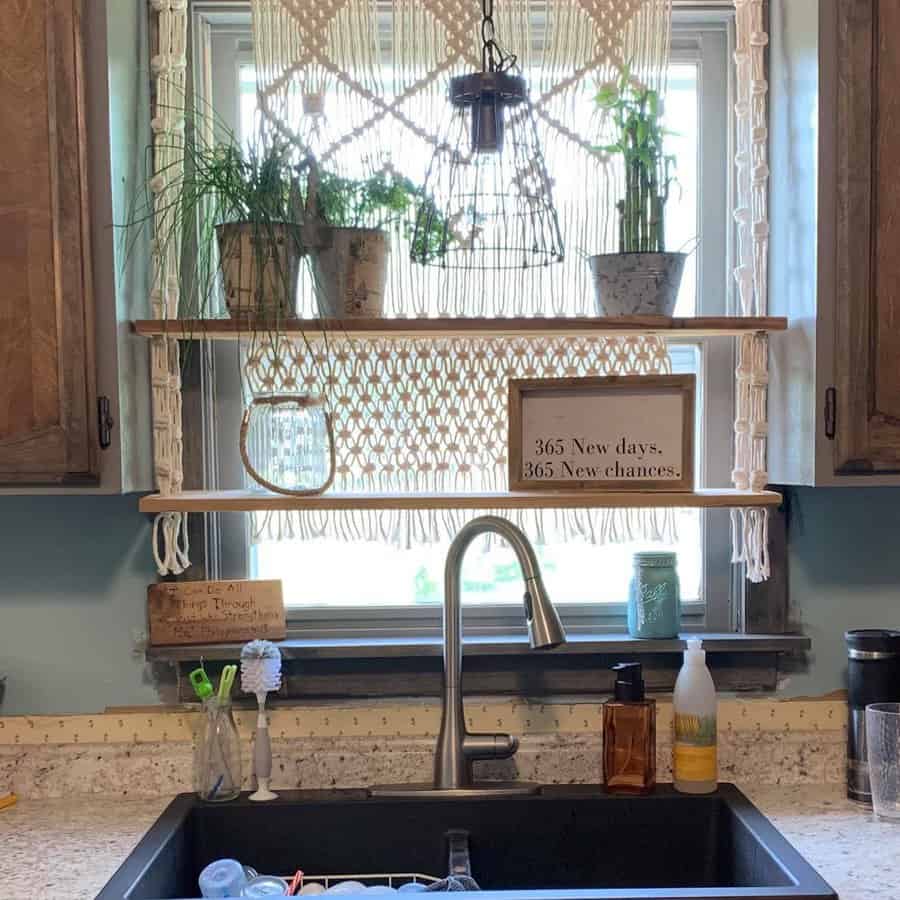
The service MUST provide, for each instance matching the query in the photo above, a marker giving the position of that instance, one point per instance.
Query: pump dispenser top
(629, 687)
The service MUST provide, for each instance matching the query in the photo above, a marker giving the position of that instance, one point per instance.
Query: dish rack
(369, 879)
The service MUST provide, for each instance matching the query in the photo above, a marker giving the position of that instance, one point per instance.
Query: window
(362, 588)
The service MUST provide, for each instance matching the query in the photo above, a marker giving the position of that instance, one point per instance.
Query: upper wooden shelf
(257, 501)
(232, 329)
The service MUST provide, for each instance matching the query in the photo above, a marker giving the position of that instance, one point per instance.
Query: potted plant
(256, 195)
(251, 212)
(349, 260)
(235, 215)
(642, 278)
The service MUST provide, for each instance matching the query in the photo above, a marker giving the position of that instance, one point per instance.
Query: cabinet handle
(830, 412)
(105, 422)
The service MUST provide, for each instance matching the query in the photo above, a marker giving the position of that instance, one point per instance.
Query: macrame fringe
(171, 546)
(411, 528)
(750, 542)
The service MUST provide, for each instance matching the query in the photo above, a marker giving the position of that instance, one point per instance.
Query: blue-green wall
(73, 581)
(844, 573)
(74, 573)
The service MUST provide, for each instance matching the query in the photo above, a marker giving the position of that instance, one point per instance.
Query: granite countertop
(68, 849)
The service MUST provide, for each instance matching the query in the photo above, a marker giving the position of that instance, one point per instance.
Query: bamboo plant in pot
(642, 278)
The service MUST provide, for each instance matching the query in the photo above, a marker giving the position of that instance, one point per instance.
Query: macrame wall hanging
(363, 86)
(750, 536)
(430, 416)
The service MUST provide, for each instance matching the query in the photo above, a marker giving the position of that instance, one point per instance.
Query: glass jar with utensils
(217, 751)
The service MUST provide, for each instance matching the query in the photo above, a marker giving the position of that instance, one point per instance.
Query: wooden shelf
(232, 329)
(253, 501)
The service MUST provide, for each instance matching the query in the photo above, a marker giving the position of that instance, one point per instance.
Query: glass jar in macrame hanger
(287, 443)
(286, 437)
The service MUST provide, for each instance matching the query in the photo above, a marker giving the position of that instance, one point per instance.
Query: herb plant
(380, 201)
(636, 112)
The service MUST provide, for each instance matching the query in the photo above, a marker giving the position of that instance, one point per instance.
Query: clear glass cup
(883, 742)
(217, 760)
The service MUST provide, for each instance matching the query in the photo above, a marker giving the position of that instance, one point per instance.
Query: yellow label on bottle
(693, 763)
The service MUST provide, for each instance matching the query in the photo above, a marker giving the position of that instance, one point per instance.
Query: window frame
(701, 36)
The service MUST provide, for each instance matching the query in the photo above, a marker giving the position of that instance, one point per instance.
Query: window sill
(372, 669)
(489, 645)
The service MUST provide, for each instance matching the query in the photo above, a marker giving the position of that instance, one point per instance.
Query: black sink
(566, 842)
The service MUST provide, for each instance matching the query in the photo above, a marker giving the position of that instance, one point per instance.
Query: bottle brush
(260, 674)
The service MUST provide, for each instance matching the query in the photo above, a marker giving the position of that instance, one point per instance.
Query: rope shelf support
(169, 68)
(750, 527)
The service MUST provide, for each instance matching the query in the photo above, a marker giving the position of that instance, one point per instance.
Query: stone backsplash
(149, 753)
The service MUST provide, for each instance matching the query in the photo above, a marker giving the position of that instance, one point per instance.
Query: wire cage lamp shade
(487, 200)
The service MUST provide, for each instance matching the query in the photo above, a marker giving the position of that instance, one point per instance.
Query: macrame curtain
(430, 416)
(362, 85)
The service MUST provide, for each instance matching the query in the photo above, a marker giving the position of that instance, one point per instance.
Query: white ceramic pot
(637, 284)
(260, 267)
(350, 270)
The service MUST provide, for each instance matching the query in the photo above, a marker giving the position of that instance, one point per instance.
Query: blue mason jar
(654, 598)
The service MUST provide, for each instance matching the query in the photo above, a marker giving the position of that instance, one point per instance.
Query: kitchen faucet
(456, 747)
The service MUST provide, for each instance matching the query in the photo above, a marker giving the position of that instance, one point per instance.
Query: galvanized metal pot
(350, 269)
(637, 284)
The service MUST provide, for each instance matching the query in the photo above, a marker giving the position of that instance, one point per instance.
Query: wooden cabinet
(835, 265)
(867, 312)
(75, 125)
(47, 377)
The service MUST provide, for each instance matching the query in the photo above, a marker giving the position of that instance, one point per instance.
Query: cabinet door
(47, 378)
(867, 311)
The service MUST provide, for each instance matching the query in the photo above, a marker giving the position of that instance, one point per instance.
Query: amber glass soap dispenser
(629, 734)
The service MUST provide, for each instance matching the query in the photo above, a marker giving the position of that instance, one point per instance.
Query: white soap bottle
(695, 763)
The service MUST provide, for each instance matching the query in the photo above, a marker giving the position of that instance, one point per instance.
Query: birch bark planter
(260, 267)
(636, 284)
(350, 270)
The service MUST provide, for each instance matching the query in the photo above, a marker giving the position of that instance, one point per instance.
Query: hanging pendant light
(487, 200)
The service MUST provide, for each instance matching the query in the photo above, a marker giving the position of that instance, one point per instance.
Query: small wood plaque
(215, 612)
(619, 433)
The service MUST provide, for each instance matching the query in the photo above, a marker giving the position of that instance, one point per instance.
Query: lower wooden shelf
(255, 501)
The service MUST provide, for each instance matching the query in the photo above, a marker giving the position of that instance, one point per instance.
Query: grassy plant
(268, 185)
(636, 111)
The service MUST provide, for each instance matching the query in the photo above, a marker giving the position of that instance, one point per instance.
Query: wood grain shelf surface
(254, 501)
(232, 329)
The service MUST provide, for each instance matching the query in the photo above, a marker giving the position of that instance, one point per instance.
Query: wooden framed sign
(212, 612)
(618, 433)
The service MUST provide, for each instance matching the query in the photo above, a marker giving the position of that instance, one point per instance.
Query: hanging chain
(493, 57)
